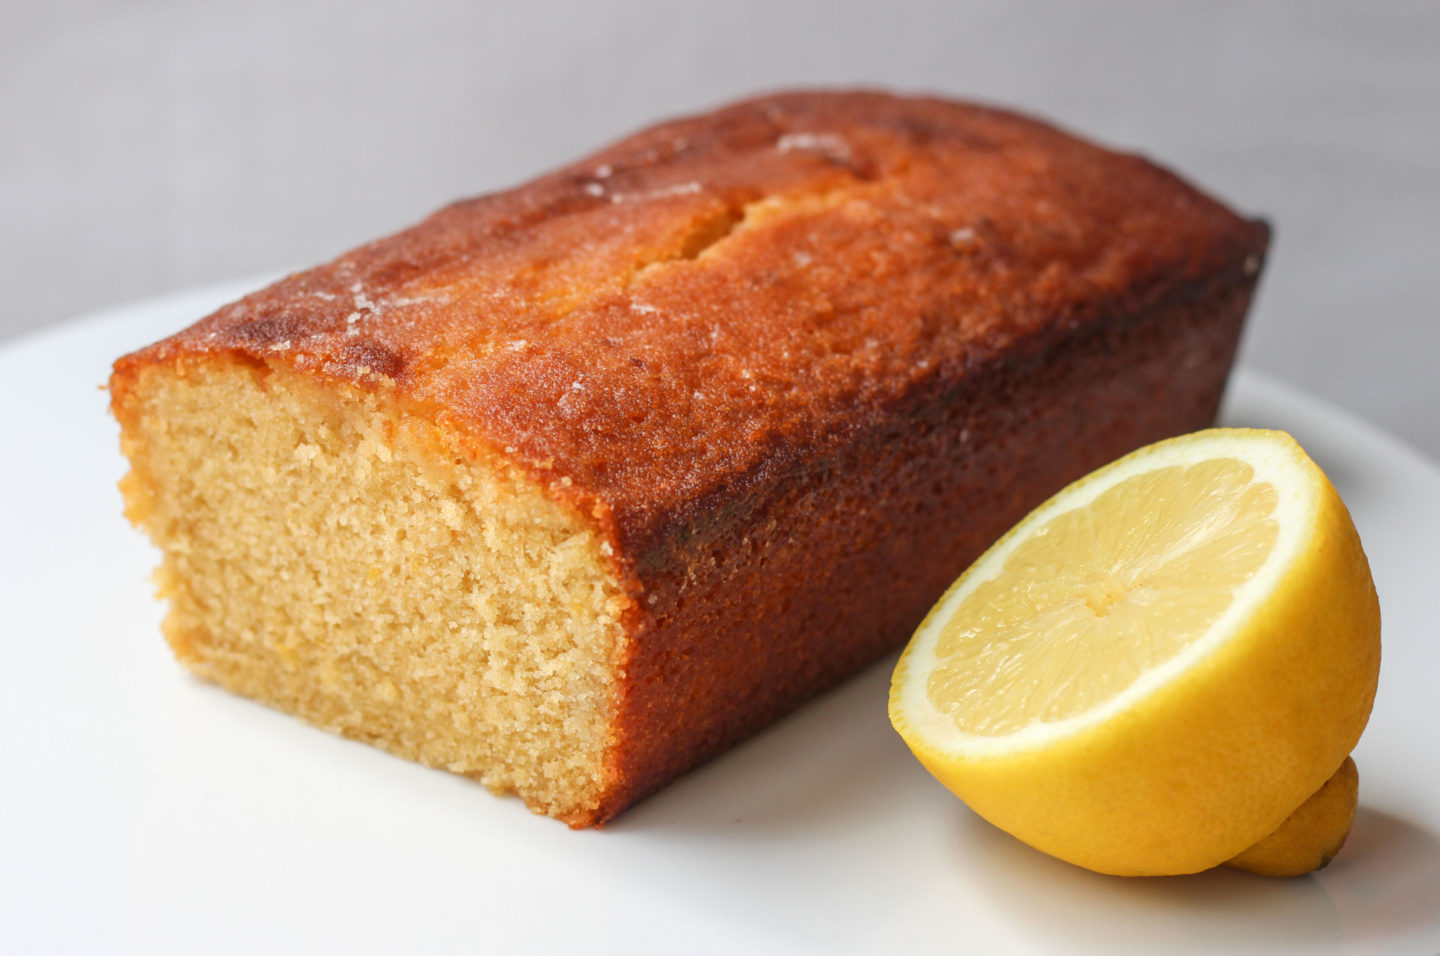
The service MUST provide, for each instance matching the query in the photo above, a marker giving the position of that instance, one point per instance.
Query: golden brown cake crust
(792, 308)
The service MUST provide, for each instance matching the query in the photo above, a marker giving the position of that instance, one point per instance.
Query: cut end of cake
(366, 572)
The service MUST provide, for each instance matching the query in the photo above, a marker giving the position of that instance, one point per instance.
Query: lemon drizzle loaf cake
(569, 488)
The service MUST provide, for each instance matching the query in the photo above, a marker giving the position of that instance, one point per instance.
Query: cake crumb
(454, 612)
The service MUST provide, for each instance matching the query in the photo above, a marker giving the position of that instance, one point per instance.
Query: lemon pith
(1152, 670)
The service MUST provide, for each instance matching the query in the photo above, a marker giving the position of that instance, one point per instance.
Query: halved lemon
(1151, 671)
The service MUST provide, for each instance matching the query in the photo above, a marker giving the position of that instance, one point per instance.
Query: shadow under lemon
(1382, 888)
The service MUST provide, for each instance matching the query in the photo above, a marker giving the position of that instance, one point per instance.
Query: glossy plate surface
(144, 811)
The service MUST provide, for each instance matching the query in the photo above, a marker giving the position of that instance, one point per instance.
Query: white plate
(144, 811)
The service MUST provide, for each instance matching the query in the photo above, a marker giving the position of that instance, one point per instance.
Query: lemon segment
(1153, 669)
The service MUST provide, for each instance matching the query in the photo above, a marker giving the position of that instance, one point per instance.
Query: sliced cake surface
(570, 487)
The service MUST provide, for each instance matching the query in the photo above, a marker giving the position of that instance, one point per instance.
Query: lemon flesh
(1152, 670)
(1090, 602)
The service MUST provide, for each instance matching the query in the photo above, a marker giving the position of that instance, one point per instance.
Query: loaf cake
(571, 487)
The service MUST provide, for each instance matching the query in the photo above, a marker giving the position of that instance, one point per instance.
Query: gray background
(155, 144)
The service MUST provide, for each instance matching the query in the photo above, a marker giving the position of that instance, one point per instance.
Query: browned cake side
(792, 364)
